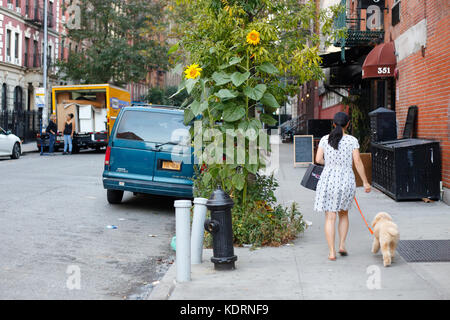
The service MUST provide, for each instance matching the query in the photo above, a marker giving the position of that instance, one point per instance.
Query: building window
(396, 13)
(27, 52)
(8, 43)
(35, 54)
(18, 98)
(17, 3)
(62, 50)
(16, 46)
(4, 97)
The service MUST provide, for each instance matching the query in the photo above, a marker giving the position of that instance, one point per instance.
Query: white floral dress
(336, 187)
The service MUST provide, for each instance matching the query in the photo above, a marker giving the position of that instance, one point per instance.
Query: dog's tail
(393, 232)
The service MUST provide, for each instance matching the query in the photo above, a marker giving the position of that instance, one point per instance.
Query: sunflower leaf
(255, 93)
(190, 84)
(239, 78)
(226, 94)
(267, 67)
(269, 100)
(233, 112)
(221, 78)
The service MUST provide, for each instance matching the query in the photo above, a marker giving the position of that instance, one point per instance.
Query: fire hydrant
(221, 229)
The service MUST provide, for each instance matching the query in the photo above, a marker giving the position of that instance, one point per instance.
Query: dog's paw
(387, 261)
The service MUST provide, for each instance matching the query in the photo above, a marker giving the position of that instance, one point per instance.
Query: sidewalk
(301, 270)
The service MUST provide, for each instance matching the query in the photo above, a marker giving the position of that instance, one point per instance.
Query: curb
(165, 287)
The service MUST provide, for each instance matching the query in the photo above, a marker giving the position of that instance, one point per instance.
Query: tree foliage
(118, 42)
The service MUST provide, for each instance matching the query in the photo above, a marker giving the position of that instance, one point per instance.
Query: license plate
(171, 165)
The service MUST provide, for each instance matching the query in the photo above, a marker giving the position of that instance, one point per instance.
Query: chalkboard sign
(303, 150)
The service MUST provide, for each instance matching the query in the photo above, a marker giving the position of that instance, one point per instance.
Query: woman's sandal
(331, 259)
(343, 253)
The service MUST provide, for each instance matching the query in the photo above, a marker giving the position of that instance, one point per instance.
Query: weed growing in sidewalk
(260, 221)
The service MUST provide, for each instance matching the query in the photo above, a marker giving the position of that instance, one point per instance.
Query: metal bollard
(183, 240)
(197, 230)
(220, 226)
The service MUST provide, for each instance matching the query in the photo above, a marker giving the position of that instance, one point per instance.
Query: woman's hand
(367, 187)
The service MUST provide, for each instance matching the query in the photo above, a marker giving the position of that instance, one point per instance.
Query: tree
(119, 41)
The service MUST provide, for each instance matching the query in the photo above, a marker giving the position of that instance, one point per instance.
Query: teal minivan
(149, 151)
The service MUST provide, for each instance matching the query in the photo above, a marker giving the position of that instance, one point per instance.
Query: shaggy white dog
(386, 236)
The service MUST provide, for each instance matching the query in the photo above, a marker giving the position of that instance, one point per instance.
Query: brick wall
(424, 75)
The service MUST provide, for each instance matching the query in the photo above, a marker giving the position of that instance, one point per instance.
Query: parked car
(149, 151)
(10, 144)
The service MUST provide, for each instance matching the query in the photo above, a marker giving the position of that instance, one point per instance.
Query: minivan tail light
(107, 155)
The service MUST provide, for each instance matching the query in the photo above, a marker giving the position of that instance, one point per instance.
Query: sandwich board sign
(303, 150)
(39, 98)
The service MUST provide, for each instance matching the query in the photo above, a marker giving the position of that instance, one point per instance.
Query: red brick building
(414, 37)
(420, 31)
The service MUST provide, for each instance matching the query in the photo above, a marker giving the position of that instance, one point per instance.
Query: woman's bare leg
(330, 225)
(343, 229)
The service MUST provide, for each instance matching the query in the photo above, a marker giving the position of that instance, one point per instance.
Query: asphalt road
(54, 241)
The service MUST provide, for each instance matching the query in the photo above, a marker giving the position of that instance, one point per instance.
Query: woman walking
(336, 187)
(69, 129)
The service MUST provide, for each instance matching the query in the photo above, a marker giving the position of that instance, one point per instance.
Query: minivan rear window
(152, 127)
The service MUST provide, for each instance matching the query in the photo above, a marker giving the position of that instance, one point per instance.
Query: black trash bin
(383, 125)
(407, 169)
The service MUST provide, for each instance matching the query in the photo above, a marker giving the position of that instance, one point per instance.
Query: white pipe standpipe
(198, 230)
(183, 240)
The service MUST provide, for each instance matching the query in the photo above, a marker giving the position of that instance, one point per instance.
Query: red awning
(380, 62)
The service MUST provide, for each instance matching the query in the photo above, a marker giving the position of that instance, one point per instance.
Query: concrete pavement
(301, 270)
(53, 228)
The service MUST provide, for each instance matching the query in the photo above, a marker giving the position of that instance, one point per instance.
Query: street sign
(39, 98)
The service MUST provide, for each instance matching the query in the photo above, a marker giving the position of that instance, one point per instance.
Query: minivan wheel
(114, 196)
(16, 151)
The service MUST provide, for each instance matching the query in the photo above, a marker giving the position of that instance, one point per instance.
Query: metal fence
(24, 124)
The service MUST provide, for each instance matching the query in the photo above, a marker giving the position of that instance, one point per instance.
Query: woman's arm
(360, 168)
(73, 128)
(319, 156)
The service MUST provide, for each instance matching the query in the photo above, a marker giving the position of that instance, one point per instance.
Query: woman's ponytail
(340, 120)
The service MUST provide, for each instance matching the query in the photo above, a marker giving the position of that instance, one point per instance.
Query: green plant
(359, 108)
(240, 50)
(261, 221)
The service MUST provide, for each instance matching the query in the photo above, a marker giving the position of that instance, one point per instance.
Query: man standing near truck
(52, 129)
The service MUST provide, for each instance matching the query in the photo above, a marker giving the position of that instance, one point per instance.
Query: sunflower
(192, 71)
(253, 37)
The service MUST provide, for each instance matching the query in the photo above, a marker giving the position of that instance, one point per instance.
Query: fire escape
(360, 32)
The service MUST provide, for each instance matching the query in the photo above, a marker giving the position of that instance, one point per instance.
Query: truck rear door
(132, 154)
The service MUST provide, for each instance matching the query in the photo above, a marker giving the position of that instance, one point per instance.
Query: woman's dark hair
(71, 115)
(340, 120)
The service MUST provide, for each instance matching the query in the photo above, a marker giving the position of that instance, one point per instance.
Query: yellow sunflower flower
(192, 71)
(253, 37)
